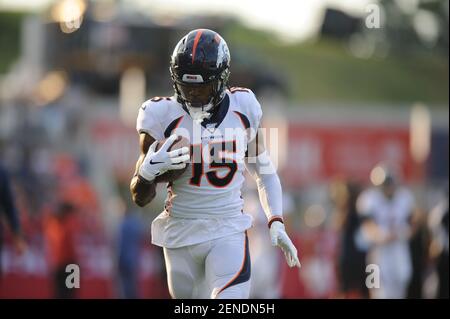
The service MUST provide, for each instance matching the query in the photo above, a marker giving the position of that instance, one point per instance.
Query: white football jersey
(210, 188)
(389, 214)
(393, 258)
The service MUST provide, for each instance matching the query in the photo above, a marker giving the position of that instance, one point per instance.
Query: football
(174, 174)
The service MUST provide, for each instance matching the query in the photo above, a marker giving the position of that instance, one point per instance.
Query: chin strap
(199, 114)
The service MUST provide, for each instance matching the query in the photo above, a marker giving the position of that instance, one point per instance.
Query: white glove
(281, 239)
(157, 163)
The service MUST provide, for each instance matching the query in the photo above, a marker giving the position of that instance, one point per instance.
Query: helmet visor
(196, 94)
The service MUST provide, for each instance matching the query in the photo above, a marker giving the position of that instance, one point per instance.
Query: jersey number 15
(218, 159)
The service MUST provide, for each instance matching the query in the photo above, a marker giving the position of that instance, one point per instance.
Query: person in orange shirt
(60, 232)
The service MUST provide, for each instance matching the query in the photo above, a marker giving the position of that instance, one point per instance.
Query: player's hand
(281, 239)
(157, 163)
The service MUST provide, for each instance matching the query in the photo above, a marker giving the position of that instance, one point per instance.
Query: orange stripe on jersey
(178, 123)
(244, 120)
(240, 270)
(235, 89)
(194, 48)
(172, 126)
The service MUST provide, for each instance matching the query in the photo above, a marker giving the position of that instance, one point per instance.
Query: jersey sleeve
(148, 121)
(254, 111)
(251, 108)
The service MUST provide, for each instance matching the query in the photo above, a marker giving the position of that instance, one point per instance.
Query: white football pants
(219, 268)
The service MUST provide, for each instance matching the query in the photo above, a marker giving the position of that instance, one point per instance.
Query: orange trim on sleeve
(275, 219)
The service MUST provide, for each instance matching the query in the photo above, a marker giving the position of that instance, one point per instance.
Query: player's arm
(153, 163)
(142, 190)
(369, 233)
(261, 168)
(373, 233)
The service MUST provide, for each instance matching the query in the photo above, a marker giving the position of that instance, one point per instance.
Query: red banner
(316, 153)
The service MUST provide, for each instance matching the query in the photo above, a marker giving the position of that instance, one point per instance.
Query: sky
(291, 19)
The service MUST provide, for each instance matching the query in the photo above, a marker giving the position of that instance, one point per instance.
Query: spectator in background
(418, 247)
(438, 223)
(351, 263)
(60, 231)
(131, 233)
(386, 210)
(8, 208)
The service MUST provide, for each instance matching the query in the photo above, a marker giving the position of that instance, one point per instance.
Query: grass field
(325, 71)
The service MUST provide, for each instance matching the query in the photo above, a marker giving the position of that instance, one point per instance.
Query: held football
(174, 174)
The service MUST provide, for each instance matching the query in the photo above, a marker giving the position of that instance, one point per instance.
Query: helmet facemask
(200, 98)
(199, 69)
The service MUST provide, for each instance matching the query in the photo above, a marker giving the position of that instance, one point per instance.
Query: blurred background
(348, 83)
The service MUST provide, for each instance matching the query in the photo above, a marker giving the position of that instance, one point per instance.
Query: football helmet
(200, 68)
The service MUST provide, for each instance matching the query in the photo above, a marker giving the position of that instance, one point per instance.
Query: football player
(203, 229)
(388, 216)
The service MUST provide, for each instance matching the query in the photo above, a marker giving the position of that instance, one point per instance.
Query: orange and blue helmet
(200, 68)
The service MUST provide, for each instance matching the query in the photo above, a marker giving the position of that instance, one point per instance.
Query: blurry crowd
(375, 242)
(370, 241)
(54, 216)
(384, 227)
(68, 106)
